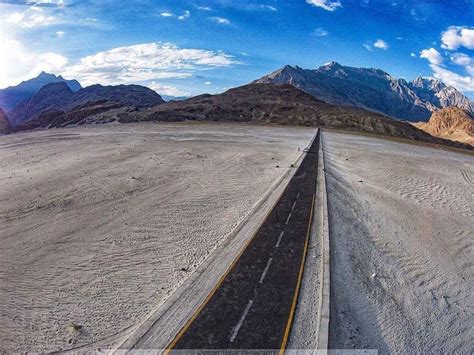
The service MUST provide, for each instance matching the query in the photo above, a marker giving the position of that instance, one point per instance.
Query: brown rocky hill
(97, 112)
(450, 123)
(5, 126)
(281, 104)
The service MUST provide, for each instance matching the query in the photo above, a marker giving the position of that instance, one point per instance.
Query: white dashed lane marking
(288, 219)
(279, 239)
(236, 329)
(265, 271)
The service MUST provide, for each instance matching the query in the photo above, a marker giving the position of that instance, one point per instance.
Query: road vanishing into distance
(253, 304)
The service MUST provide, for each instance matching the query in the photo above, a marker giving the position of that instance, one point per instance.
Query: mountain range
(13, 95)
(281, 104)
(372, 89)
(59, 96)
(353, 98)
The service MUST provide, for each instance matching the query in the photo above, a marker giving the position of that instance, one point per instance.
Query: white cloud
(381, 44)
(60, 34)
(368, 47)
(259, 7)
(432, 55)
(461, 59)
(453, 38)
(463, 83)
(220, 20)
(321, 32)
(142, 62)
(30, 18)
(184, 16)
(204, 8)
(412, 55)
(37, 3)
(208, 83)
(270, 7)
(18, 63)
(167, 89)
(457, 36)
(52, 62)
(465, 61)
(328, 5)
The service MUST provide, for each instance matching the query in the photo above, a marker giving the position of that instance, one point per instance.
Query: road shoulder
(311, 325)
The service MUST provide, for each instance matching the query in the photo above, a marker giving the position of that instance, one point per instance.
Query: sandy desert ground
(402, 246)
(98, 225)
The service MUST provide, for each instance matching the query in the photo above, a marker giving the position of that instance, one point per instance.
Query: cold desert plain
(100, 225)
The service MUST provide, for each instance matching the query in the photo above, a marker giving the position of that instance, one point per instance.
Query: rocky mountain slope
(450, 123)
(97, 112)
(13, 95)
(58, 96)
(5, 126)
(259, 103)
(372, 89)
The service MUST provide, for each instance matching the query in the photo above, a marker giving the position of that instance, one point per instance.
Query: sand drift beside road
(99, 225)
(402, 246)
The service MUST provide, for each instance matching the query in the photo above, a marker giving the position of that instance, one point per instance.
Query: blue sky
(189, 47)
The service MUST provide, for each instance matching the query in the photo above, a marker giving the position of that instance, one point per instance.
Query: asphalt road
(252, 305)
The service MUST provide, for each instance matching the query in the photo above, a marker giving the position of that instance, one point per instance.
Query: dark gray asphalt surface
(250, 309)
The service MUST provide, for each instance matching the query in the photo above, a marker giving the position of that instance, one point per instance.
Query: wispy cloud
(269, 7)
(368, 46)
(328, 5)
(320, 32)
(169, 90)
(220, 20)
(186, 14)
(465, 61)
(204, 8)
(30, 18)
(36, 3)
(142, 62)
(260, 7)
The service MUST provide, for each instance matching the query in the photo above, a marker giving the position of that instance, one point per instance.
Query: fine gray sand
(402, 246)
(99, 225)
